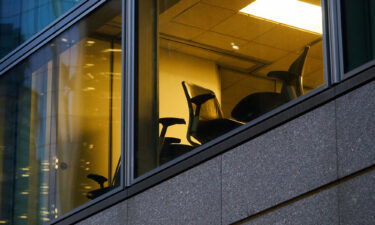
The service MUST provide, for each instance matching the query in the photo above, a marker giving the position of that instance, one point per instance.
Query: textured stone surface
(116, 215)
(357, 200)
(318, 209)
(355, 129)
(281, 164)
(193, 197)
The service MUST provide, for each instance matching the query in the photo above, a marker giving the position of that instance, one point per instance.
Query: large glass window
(60, 116)
(21, 19)
(207, 67)
(358, 23)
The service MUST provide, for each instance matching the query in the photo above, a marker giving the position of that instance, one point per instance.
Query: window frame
(38, 41)
(330, 67)
(131, 186)
(46, 34)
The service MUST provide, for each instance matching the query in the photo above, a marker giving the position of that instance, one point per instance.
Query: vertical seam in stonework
(221, 189)
(336, 142)
(337, 165)
(127, 212)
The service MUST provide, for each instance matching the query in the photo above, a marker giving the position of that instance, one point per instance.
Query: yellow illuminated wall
(84, 118)
(174, 68)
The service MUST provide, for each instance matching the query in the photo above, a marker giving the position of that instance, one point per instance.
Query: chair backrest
(206, 109)
(294, 88)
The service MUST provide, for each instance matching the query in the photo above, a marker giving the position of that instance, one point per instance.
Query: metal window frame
(38, 41)
(48, 33)
(331, 71)
(41, 32)
(333, 88)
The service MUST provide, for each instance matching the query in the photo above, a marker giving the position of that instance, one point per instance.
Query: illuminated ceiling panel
(294, 13)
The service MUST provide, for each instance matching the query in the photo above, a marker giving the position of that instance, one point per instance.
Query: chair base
(173, 151)
(257, 104)
(210, 129)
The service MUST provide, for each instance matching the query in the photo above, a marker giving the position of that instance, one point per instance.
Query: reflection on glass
(60, 115)
(358, 32)
(220, 64)
(20, 19)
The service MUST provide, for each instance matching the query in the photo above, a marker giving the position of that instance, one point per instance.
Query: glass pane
(21, 19)
(60, 114)
(358, 32)
(219, 64)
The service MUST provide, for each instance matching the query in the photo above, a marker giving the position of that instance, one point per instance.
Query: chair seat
(98, 192)
(257, 104)
(210, 129)
(172, 151)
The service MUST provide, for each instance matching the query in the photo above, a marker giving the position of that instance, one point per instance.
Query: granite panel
(116, 215)
(355, 130)
(320, 208)
(357, 200)
(193, 197)
(285, 162)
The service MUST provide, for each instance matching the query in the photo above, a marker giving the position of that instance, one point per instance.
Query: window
(20, 20)
(60, 115)
(208, 67)
(358, 32)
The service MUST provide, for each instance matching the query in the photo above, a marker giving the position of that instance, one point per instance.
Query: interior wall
(84, 113)
(174, 68)
(146, 105)
(237, 85)
(116, 110)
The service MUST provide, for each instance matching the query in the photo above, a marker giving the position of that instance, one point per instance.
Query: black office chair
(101, 180)
(170, 147)
(206, 121)
(257, 104)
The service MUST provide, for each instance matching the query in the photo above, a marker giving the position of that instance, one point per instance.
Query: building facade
(187, 112)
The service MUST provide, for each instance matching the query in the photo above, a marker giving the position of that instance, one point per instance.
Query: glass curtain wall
(21, 19)
(60, 115)
(358, 32)
(206, 67)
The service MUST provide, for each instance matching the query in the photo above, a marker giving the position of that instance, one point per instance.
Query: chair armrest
(282, 75)
(200, 99)
(98, 192)
(172, 140)
(97, 178)
(169, 121)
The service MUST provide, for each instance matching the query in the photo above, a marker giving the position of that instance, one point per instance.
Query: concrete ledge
(193, 197)
(292, 159)
(356, 130)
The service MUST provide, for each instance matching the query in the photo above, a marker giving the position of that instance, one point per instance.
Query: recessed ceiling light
(294, 13)
(112, 50)
(234, 46)
(89, 89)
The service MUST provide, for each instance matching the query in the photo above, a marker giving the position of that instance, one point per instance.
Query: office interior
(70, 93)
(219, 46)
(61, 116)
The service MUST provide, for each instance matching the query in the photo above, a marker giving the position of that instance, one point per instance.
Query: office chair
(206, 121)
(257, 104)
(170, 147)
(101, 180)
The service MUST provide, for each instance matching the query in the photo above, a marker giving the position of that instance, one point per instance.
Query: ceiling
(111, 28)
(210, 28)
